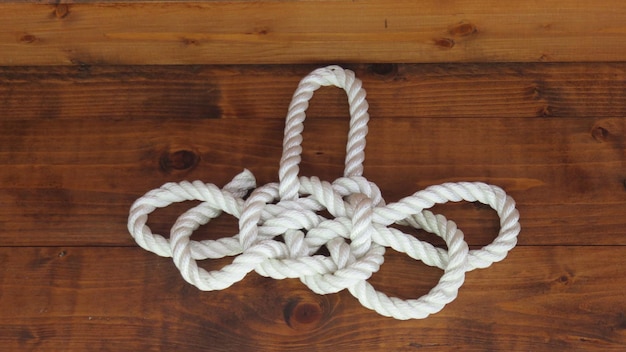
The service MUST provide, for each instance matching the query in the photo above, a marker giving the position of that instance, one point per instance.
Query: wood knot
(445, 43)
(307, 313)
(302, 315)
(189, 41)
(599, 133)
(178, 160)
(565, 279)
(61, 10)
(28, 38)
(462, 29)
(259, 31)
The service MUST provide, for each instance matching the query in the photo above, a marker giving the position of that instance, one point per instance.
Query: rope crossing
(281, 230)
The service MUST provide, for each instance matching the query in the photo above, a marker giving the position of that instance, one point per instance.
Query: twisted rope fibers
(356, 237)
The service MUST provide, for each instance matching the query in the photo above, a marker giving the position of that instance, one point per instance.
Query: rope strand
(356, 235)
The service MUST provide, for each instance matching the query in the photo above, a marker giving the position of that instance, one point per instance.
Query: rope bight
(355, 235)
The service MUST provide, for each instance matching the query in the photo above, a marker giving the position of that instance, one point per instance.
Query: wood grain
(260, 32)
(413, 91)
(79, 144)
(77, 299)
(77, 178)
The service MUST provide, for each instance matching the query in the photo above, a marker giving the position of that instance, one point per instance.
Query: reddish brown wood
(71, 182)
(77, 299)
(407, 91)
(79, 144)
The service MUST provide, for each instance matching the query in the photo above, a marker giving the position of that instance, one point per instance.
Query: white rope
(355, 236)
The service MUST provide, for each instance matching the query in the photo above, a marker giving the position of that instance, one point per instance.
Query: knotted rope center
(281, 230)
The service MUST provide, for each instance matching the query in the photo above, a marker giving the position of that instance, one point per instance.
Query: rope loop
(282, 232)
(294, 125)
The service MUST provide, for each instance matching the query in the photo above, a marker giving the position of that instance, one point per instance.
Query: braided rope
(356, 236)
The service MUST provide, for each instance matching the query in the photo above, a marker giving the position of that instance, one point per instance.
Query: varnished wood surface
(207, 92)
(540, 298)
(253, 32)
(103, 101)
(79, 144)
(79, 177)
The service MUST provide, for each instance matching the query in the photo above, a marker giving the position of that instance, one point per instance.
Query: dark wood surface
(541, 298)
(81, 141)
(80, 144)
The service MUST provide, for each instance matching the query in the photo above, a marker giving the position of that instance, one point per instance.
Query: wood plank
(123, 299)
(255, 32)
(442, 90)
(71, 182)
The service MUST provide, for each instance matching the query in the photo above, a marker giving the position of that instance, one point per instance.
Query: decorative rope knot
(355, 237)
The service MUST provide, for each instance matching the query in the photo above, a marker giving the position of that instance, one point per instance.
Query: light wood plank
(77, 299)
(254, 32)
(71, 182)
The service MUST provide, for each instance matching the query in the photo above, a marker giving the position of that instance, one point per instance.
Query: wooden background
(101, 102)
